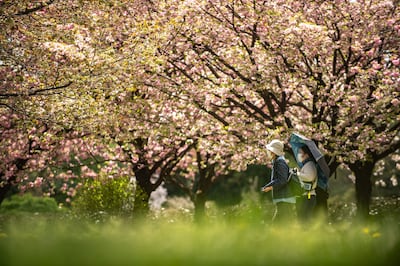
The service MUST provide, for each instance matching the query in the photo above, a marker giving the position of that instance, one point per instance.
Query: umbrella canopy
(296, 141)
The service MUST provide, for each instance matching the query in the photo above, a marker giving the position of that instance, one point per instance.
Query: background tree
(108, 49)
(211, 159)
(48, 68)
(31, 83)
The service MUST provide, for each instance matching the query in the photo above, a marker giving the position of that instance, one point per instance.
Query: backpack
(294, 185)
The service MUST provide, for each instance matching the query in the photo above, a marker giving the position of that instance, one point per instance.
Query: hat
(276, 146)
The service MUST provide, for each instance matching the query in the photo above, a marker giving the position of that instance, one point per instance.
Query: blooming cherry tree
(328, 69)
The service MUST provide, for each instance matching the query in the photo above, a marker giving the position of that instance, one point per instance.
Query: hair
(306, 150)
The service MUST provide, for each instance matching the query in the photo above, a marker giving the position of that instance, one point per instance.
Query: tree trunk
(199, 206)
(143, 190)
(4, 191)
(363, 173)
(202, 186)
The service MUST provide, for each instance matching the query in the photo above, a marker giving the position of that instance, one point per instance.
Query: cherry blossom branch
(387, 152)
(172, 162)
(34, 9)
(34, 92)
(220, 119)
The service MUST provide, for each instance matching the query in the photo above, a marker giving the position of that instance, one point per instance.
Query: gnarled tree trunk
(363, 172)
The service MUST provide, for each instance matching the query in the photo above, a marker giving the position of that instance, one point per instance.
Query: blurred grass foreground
(61, 239)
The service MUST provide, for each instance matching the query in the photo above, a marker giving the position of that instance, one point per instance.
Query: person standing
(281, 197)
(305, 204)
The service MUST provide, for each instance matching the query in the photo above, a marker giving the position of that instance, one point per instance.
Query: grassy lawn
(57, 239)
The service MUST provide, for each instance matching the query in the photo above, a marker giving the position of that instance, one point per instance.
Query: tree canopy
(156, 88)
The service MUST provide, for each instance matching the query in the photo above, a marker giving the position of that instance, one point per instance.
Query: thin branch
(34, 92)
(226, 64)
(388, 151)
(34, 9)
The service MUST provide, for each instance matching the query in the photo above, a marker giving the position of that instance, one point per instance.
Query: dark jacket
(279, 179)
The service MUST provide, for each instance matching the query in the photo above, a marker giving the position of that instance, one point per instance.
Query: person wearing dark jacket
(278, 185)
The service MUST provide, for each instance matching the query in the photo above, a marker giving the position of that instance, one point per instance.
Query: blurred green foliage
(28, 203)
(230, 189)
(239, 239)
(240, 234)
(103, 197)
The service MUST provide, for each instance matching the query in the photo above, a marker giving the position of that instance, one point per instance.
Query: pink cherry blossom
(376, 66)
(395, 102)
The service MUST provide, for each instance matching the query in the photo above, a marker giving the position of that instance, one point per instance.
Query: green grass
(29, 239)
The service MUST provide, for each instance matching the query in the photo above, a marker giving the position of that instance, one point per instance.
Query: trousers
(305, 207)
(283, 212)
(321, 207)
